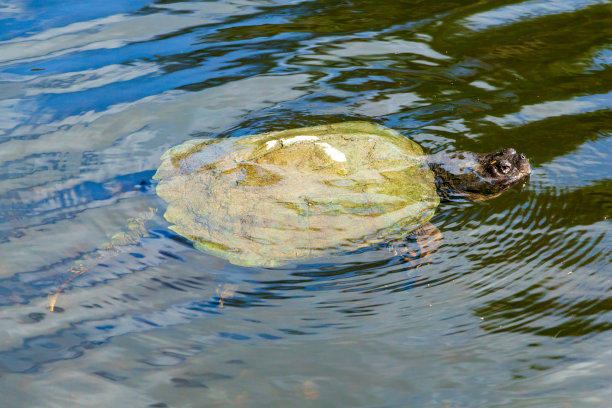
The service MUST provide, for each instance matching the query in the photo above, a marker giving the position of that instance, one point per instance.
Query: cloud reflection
(522, 11)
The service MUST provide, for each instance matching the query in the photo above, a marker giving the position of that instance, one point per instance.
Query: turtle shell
(268, 199)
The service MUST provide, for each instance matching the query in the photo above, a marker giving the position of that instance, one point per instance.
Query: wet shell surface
(273, 198)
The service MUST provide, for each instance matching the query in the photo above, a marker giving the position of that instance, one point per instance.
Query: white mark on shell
(333, 153)
(298, 139)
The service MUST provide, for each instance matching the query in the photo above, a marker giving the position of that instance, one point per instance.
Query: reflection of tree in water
(547, 276)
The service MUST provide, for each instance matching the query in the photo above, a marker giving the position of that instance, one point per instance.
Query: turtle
(304, 193)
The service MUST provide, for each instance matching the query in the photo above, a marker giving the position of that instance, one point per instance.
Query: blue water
(513, 309)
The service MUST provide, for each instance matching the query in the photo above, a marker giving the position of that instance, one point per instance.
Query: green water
(512, 310)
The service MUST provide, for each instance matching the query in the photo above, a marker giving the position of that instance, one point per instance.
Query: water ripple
(512, 308)
(526, 10)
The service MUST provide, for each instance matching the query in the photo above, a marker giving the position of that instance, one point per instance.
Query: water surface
(513, 310)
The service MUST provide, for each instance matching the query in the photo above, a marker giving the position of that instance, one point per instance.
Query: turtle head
(504, 169)
(479, 176)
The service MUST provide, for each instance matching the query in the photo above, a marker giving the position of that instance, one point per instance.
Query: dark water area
(512, 310)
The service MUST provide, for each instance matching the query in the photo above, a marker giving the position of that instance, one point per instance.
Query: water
(513, 310)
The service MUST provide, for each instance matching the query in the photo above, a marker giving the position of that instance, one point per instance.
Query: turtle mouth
(524, 174)
(525, 168)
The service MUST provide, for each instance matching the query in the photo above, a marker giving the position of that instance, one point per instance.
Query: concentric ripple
(511, 308)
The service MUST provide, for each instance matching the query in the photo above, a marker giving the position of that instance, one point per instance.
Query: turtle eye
(522, 156)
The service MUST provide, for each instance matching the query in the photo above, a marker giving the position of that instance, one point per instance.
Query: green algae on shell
(272, 198)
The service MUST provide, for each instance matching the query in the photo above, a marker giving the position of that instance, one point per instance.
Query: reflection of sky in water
(337, 51)
(21, 18)
(395, 46)
(540, 111)
(88, 79)
(201, 111)
(12, 115)
(389, 104)
(531, 9)
(68, 344)
(600, 60)
(10, 8)
(106, 33)
(587, 164)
